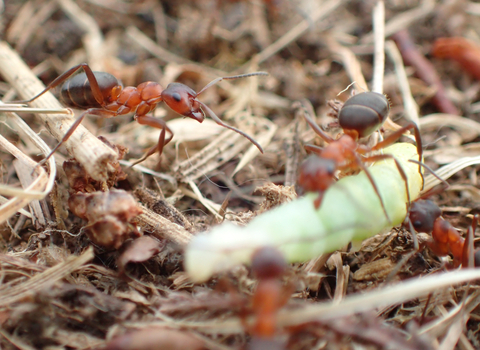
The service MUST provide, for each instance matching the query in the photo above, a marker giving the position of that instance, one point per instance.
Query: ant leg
(92, 111)
(162, 140)
(416, 245)
(158, 147)
(468, 256)
(363, 167)
(318, 201)
(308, 114)
(425, 166)
(314, 149)
(390, 139)
(221, 123)
(64, 76)
(378, 157)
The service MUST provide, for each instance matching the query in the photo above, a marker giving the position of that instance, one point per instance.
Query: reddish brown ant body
(103, 95)
(425, 216)
(359, 117)
(268, 265)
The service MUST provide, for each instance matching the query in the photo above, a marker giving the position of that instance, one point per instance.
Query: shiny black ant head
(316, 173)
(268, 262)
(363, 113)
(476, 258)
(182, 99)
(423, 214)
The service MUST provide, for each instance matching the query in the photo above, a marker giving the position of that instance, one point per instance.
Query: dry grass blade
(214, 208)
(21, 109)
(441, 325)
(15, 341)
(383, 294)
(85, 147)
(404, 19)
(449, 170)
(24, 173)
(43, 280)
(226, 146)
(350, 63)
(263, 139)
(166, 56)
(469, 128)
(321, 12)
(379, 53)
(25, 129)
(163, 228)
(92, 39)
(36, 190)
(350, 305)
(411, 107)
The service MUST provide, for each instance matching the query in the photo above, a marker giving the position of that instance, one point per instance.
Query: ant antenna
(425, 166)
(217, 80)
(220, 122)
(348, 87)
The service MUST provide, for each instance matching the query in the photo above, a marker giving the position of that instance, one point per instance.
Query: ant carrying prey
(101, 94)
(359, 117)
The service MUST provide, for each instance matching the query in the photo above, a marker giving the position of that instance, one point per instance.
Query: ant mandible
(360, 116)
(268, 265)
(425, 216)
(101, 94)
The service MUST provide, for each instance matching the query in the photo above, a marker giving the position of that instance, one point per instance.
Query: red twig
(424, 70)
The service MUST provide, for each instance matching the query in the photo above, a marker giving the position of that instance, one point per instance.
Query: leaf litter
(61, 290)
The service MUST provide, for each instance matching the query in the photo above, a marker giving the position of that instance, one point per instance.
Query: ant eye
(331, 168)
(417, 224)
(176, 96)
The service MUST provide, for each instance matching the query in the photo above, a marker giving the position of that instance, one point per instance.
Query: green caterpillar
(350, 210)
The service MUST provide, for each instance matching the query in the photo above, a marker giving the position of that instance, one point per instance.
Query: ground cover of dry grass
(58, 290)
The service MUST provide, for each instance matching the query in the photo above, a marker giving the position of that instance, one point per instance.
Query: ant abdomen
(364, 113)
(77, 93)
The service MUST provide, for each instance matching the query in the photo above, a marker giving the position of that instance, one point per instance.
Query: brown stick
(424, 70)
(163, 228)
(92, 153)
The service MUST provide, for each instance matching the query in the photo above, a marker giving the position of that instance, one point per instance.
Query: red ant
(425, 216)
(360, 116)
(268, 265)
(103, 95)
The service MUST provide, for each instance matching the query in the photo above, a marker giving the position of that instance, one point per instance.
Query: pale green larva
(350, 210)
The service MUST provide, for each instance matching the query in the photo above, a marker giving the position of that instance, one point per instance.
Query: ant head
(476, 258)
(363, 113)
(423, 214)
(316, 173)
(182, 99)
(268, 262)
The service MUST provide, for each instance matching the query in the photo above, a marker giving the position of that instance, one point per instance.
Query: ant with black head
(425, 216)
(359, 117)
(268, 266)
(102, 95)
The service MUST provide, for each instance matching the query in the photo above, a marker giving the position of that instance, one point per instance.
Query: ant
(425, 216)
(268, 265)
(359, 117)
(101, 94)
